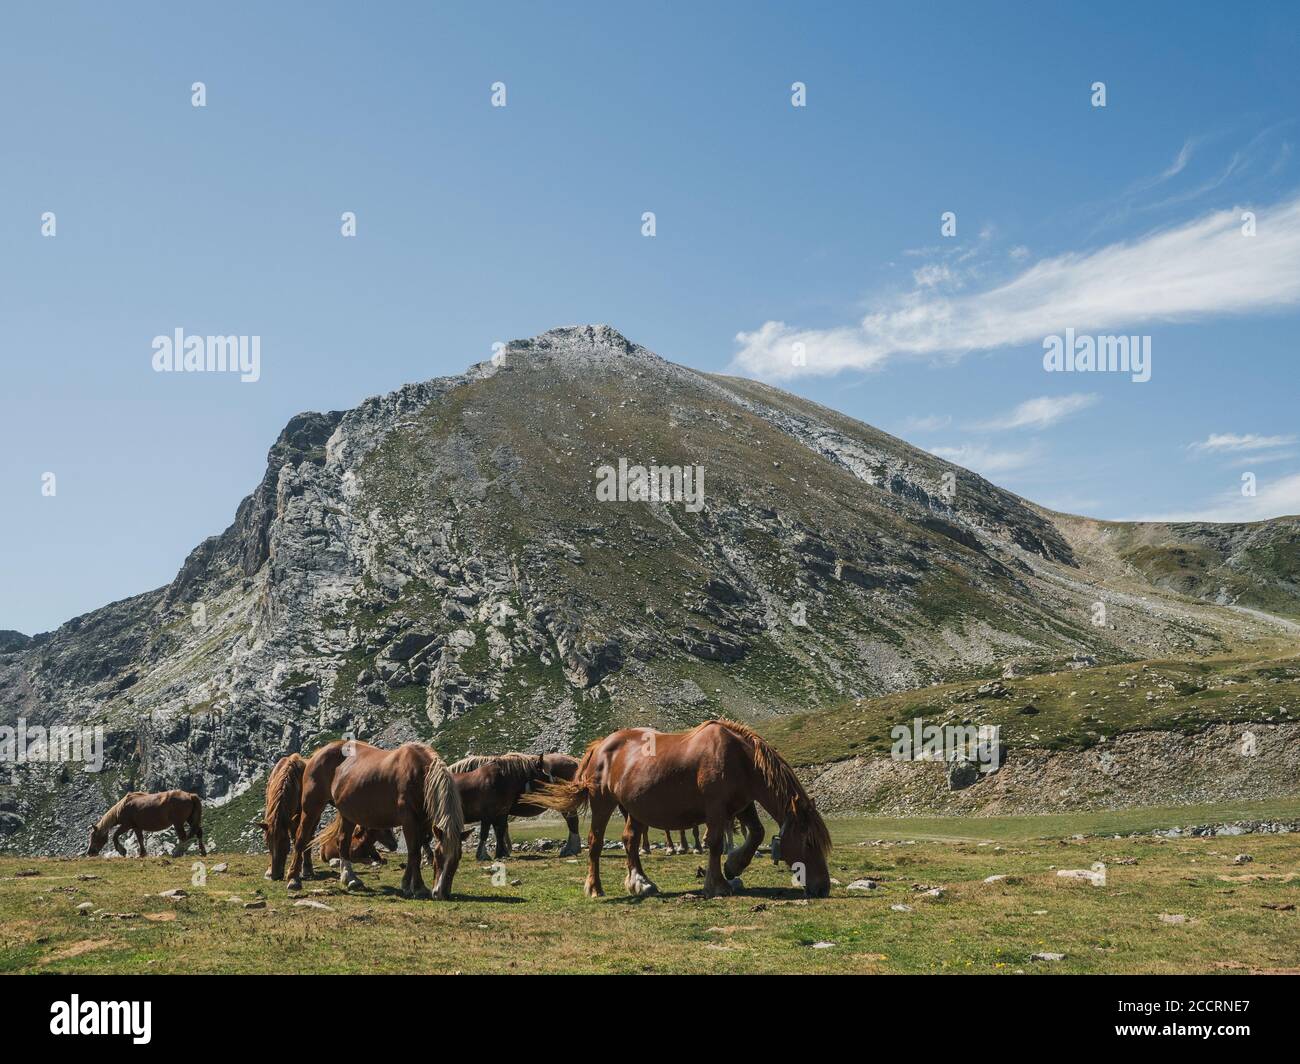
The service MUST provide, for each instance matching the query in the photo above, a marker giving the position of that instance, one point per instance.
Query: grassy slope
(544, 924)
(1074, 708)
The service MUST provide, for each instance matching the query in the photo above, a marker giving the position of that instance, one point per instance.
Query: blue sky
(774, 223)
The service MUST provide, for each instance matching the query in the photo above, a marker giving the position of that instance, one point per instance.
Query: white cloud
(1221, 442)
(1042, 412)
(1203, 268)
(928, 423)
(987, 461)
(1273, 498)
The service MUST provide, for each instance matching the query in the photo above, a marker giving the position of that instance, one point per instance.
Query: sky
(775, 225)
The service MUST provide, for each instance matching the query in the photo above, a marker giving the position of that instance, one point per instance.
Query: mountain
(438, 563)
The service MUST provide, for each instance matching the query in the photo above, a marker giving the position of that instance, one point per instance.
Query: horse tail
(565, 798)
(195, 821)
(569, 797)
(332, 833)
(442, 808)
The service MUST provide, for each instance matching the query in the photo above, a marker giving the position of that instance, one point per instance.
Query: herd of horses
(718, 773)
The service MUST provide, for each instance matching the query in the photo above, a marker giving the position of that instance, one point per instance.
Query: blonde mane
(787, 792)
(442, 800)
(287, 774)
(517, 768)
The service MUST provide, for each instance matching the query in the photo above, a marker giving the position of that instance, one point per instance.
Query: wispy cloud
(1203, 268)
(1231, 442)
(989, 461)
(1273, 498)
(1042, 412)
(928, 423)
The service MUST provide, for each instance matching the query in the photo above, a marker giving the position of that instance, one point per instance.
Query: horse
(363, 843)
(493, 788)
(718, 770)
(140, 812)
(280, 821)
(409, 788)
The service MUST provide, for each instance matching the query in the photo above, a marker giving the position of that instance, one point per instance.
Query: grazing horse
(283, 805)
(363, 843)
(409, 788)
(715, 771)
(140, 812)
(561, 768)
(492, 789)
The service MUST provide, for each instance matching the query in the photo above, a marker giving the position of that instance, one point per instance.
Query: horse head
(804, 845)
(98, 837)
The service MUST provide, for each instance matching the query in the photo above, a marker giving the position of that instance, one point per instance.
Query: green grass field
(1169, 905)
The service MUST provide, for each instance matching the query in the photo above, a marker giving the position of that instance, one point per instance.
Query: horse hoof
(592, 891)
(267, 874)
(735, 885)
(353, 883)
(294, 884)
(423, 894)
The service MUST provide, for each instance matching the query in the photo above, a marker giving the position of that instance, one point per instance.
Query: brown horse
(140, 812)
(363, 843)
(409, 788)
(491, 787)
(673, 781)
(283, 805)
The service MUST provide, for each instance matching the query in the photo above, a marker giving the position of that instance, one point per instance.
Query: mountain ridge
(433, 563)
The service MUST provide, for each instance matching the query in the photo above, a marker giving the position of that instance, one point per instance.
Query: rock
(312, 903)
(222, 867)
(823, 945)
(995, 879)
(175, 894)
(1242, 858)
(85, 907)
(260, 903)
(1047, 957)
(1095, 876)
(862, 884)
(962, 774)
(901, 908)
(1173, 918)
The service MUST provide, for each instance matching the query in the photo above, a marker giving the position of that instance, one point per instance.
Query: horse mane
(287, 772)
(114, 814)
(517, 768)
(442, 799)
(787, 792)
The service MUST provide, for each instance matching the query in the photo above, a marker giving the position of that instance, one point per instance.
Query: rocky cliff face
(437, 563)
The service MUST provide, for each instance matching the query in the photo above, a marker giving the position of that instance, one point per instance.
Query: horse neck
(109, 819)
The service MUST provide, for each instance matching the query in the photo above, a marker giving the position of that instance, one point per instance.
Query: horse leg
(139, 841)
(484, 830)
(601, 810)
(637, 882)
(714, 883)
(313, 805)
(682, 848)
(502, 828)
(572, 845)
(117, 841)
(412, 882)
(347, 877)
(696, 832)
(738, 860)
